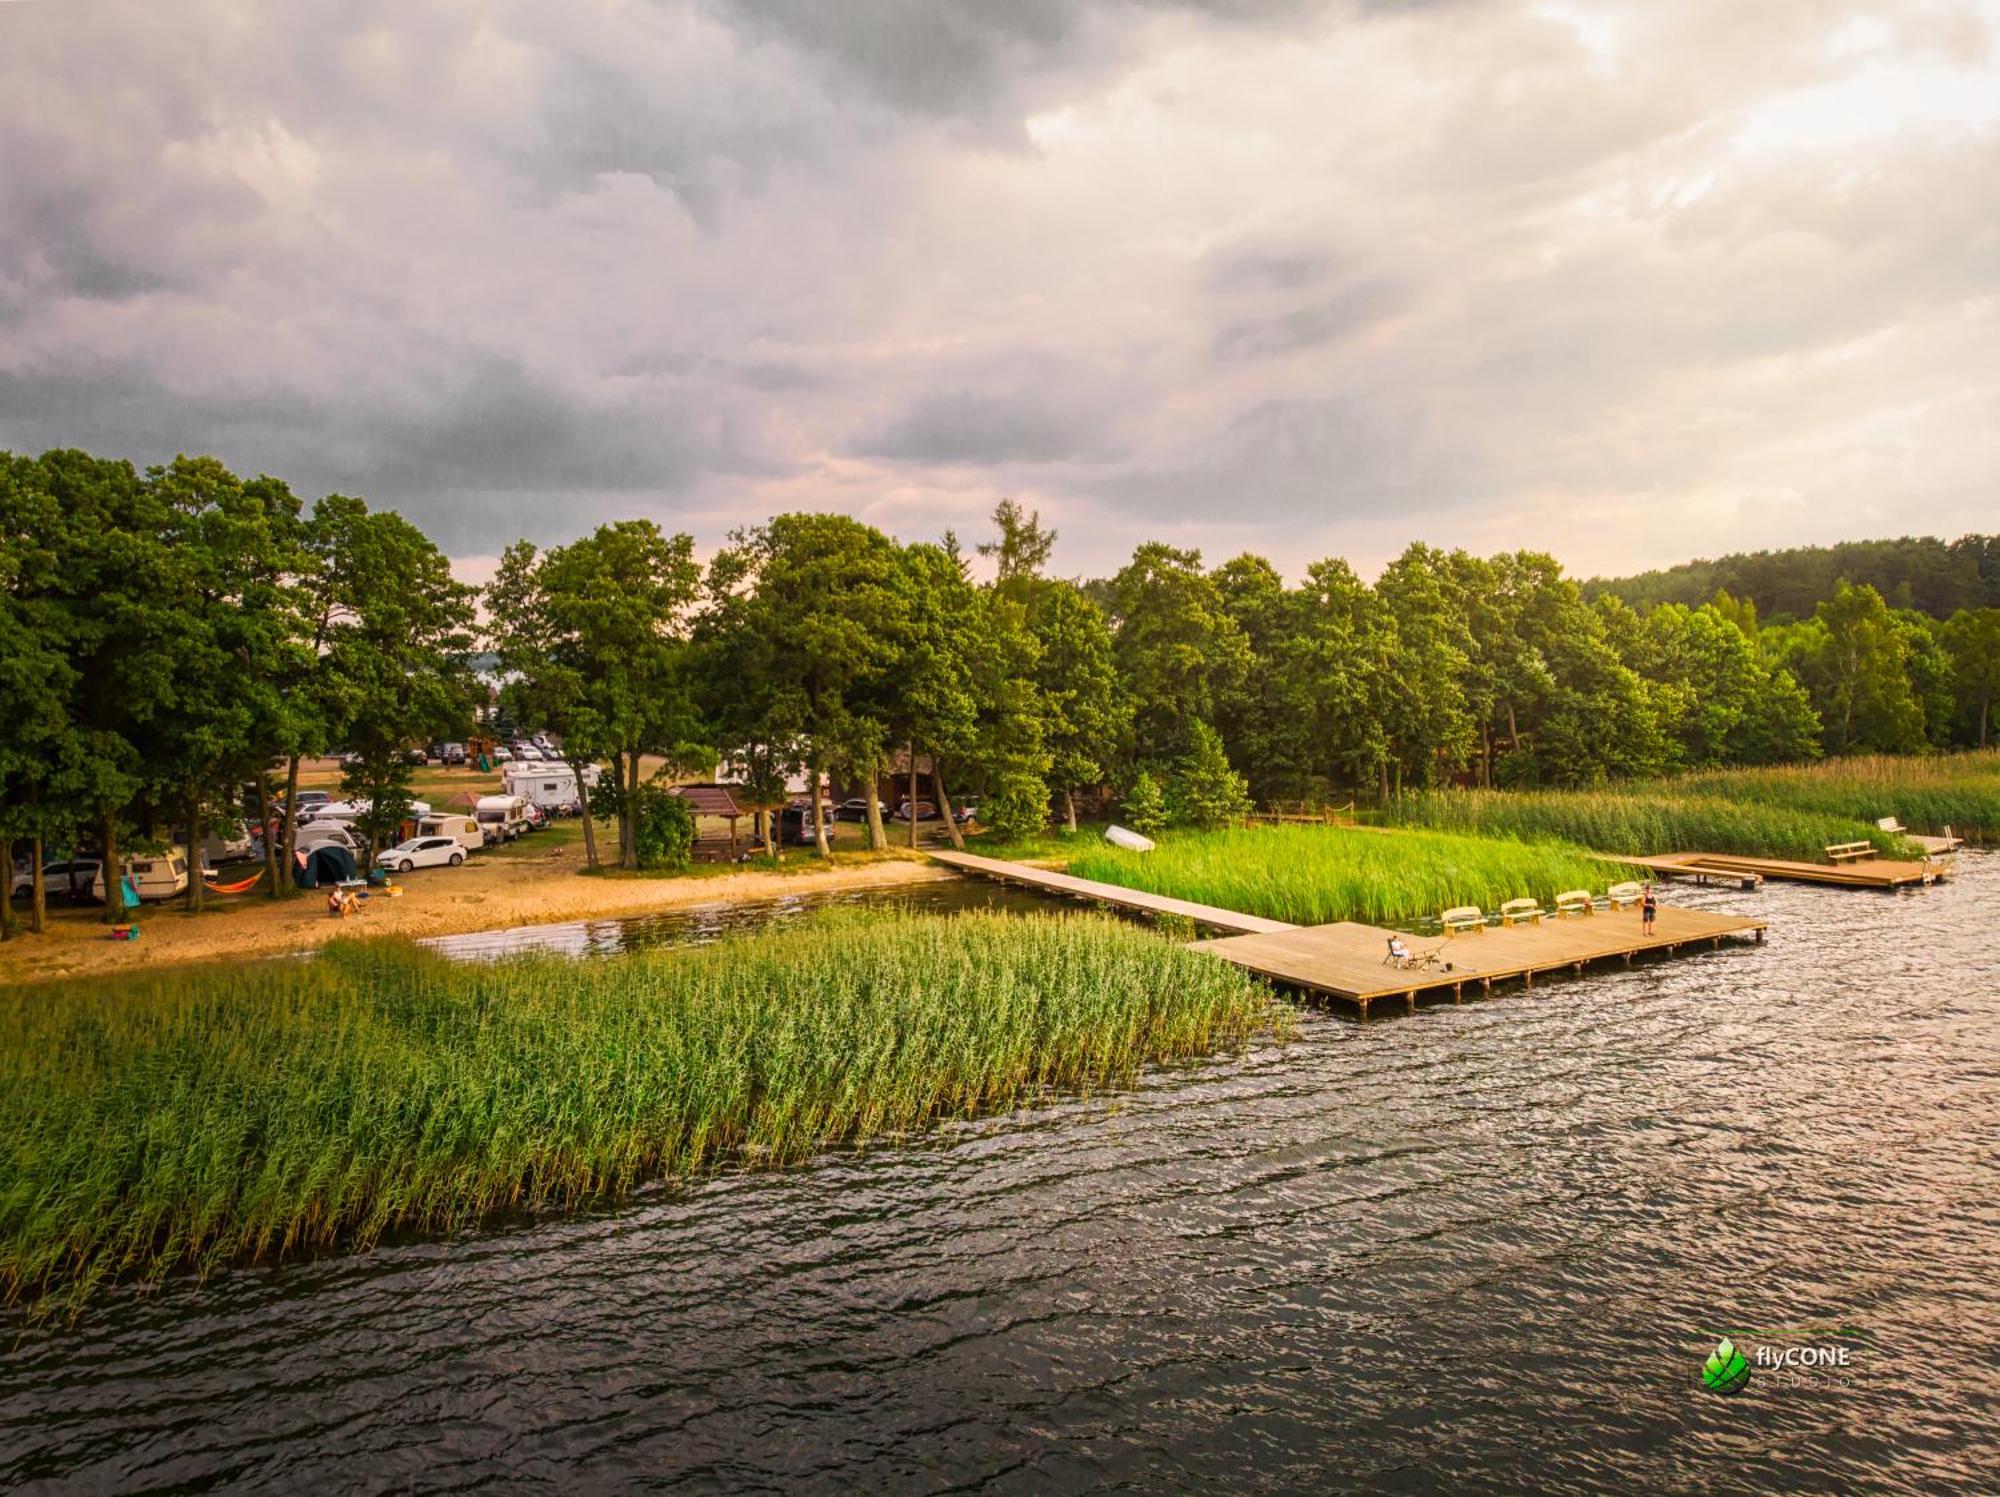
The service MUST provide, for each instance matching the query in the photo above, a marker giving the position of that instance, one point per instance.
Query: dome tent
(322, 866)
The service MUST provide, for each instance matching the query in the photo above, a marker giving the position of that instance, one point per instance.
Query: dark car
(857, 809)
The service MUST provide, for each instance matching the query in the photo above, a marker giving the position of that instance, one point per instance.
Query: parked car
(925, 810)
(312, 800)
(965, 812)
(64, 878)
(421, 852)
(857, 809)
(452, 754)
(499, 754)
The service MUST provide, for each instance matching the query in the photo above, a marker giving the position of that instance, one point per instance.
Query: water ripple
(1478, 1247)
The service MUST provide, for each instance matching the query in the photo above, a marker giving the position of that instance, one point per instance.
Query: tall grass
(1642, 820)
(1311, 875)
(208, 1115)
(1926, 794)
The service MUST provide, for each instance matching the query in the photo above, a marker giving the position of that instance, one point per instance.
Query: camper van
(550, 786)
(501, 817)
(462, 829)
(152, 876)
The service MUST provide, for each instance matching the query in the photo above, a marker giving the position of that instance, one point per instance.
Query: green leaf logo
(1725, 1370)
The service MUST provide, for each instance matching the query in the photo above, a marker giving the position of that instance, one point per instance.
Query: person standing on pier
(1649, 906)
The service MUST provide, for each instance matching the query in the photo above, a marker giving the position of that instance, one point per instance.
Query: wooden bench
(1522, 909)
(1890, 825)
(1462, 917)
(1849, 852)
(1576, 902)
(1623, 896)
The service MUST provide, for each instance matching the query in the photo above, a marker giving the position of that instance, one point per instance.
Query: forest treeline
(1919, 572)
(175, 634)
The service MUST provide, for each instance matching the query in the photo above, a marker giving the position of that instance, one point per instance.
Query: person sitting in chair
(1399, 954)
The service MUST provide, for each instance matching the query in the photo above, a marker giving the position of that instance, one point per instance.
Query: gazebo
(718, 801)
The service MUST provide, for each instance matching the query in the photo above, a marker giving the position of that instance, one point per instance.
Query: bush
(664, 829)
(1017, 807)
(1144, 809)
(1206, 793)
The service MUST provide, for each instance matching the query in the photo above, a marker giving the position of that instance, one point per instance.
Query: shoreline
(499, 895)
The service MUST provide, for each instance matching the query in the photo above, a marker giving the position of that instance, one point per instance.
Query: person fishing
(1399, 954)
(1649, 906)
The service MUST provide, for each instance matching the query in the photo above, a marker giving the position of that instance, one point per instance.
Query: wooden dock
(1346, 960)
(1206, 916)
(1863, 873)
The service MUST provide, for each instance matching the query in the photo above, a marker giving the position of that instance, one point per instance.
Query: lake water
(1482, 1248)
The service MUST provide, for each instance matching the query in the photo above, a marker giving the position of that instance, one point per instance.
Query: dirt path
(524, 885)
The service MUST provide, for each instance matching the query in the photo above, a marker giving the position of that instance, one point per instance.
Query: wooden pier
(1049, 881)
(1346, 960)
(1716, 867)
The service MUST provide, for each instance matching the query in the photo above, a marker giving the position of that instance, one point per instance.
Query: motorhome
(501, 817)
(462, 829)
(550, 786)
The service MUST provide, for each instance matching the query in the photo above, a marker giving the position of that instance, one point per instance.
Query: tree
(1144, 806)
(1429, 722)
(395, 652)
(1971, 639)
(936, 708)
(1008, 750)
(1085, 717)
(1851, 658)
(600, 632)
(41, 756)
(1178, 651)
(1022, 549)
(1205, 792)
(1266, 719)
(822, 589)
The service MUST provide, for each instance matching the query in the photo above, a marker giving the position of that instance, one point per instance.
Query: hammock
(236, 888)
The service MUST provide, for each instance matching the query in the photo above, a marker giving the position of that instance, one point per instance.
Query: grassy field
(1313, 875)
(1640, 819)
(191, 1119)
(1961, 791)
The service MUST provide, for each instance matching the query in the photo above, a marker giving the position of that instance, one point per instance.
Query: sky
(1631, 283)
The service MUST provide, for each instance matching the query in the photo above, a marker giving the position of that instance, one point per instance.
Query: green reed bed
(1927, 794)
(207, 1115)
(1642, 820)
(1311, 875)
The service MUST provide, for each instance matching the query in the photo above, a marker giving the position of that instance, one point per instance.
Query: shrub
(1144, 808)
(1205, 791)
(664, 833)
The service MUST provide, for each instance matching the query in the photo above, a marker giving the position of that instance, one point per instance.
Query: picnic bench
(1462, 917)
(1849, 852)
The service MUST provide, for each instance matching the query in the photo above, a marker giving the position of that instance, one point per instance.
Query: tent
(323, 865)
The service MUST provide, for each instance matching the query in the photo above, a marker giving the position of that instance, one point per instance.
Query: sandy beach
(527, 885)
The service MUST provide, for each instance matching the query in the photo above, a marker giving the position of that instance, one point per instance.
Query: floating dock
(1206, 916)
(1862, 873)
(1346, 960)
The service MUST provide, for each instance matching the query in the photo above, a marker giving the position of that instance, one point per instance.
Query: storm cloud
(1624, 281)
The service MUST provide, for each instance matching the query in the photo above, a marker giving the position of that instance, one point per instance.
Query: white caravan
(502, 817)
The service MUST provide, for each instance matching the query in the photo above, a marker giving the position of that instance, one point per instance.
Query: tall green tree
(1085, 715)
(1971, 639)
(1178, 650)
(1429, 718)
(599, 632)
(822, 590)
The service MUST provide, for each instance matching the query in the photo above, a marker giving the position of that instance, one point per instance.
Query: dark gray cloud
(1261, 270)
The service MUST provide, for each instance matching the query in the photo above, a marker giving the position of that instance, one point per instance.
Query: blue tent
(322, 866)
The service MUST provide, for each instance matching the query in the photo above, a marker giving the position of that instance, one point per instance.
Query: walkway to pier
(1205, 915)
(1862, 873)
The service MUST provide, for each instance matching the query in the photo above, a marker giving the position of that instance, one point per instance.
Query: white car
(422, 852)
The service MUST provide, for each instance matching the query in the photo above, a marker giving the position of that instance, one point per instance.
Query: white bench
(1462, 917)
(1623, 896)
(1516, 910)
(1575, 902)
